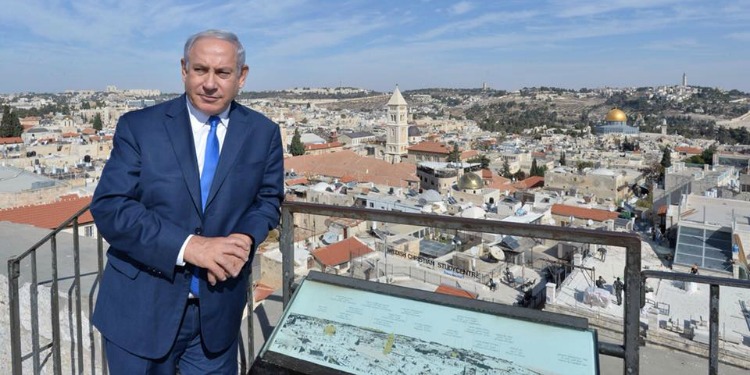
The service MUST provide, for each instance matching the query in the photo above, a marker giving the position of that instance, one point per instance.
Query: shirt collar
(202, 118)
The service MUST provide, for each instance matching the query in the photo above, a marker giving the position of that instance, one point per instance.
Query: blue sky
(54, 45)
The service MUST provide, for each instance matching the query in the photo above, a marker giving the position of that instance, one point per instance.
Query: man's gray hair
(217, 34)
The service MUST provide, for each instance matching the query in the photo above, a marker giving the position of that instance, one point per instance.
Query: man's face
(211, 76)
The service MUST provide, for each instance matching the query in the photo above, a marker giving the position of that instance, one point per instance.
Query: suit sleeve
(135, 232)
(263, 215)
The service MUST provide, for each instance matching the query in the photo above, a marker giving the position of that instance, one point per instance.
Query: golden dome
(616, 115)
(470, 181)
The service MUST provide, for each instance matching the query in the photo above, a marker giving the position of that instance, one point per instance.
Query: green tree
(483, 160)
(505, 172)
(455, 155)
(297, 148)
(98, 122)
(708, 154)
(666, 158)
(10, 125)
(537, 170)
(562, 158)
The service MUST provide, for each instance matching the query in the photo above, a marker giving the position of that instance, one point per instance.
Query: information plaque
(335, 324)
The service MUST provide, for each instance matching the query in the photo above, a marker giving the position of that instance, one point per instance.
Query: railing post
(100, 271)
(287, 253)
(55, 311)
(14, 272)
(34, 310)
(632, 306)
(77, 289)
(714, 283)
(250, 334)
(713, 331)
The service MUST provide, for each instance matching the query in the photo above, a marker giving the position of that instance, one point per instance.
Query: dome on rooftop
(470, 181)
(430, 196)
(320, 186)
(616, 115)
(414, 131)
(473, 212)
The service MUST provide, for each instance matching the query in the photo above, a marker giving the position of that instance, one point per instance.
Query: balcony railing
(89, 358)
(84, 355)
(713, 314)
(631, 242)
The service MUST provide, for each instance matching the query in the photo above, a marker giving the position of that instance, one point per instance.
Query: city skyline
(52, 46)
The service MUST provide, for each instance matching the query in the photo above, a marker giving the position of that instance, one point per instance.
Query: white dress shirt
(200, 128)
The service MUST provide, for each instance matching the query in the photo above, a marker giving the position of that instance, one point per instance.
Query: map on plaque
(363, 332)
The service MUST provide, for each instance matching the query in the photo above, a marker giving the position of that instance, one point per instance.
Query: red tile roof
(261, 292)
(453, 291)
(296, 181)
(495, 181)
(10, 140)
(341, 252)
(347, 178)
(347, 163)
(430, 147)
(583, 213)
(322, 146)
(469, 154)
(530, 182)
(48, 216)
(689, 150)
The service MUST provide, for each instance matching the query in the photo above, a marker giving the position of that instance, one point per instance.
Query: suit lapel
(180, 133)
(239, 131)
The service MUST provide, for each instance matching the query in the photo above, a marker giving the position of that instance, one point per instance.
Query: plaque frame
(270, 361)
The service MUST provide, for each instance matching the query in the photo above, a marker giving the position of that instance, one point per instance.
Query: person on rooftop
(600, 282)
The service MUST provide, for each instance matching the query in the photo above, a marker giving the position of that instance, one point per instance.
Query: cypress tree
(98, 122)
(10, 125)
(297, 148)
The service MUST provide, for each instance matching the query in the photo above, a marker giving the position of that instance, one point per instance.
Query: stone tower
(397, 139)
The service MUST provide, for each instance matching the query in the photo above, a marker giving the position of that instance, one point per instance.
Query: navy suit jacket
(148, 201)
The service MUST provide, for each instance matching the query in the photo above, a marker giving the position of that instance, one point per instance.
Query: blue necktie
(210, 160)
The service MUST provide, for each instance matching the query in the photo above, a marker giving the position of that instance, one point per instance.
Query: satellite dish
(497, 253)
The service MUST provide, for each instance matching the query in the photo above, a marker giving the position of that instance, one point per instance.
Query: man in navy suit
(182, 236)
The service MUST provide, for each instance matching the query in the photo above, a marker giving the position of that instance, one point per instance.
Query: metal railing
(713, 315)
(41, 354)
(631, 242)
(52, 348)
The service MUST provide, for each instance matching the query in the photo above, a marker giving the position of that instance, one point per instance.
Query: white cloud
(682, 44)
(743, 37)
(587, 8)
(496, 18)
(461, 8)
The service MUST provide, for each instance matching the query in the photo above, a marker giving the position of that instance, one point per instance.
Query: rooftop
(49, 215)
